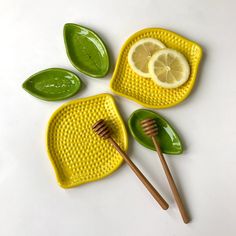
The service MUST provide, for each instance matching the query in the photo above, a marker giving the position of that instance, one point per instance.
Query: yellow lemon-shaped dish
(77, 154)
(127, 83)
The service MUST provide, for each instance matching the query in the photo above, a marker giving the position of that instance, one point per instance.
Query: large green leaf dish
(168, 138)
(86, 50)
(53, 84)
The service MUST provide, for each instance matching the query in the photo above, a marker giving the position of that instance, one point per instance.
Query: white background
(31, 202)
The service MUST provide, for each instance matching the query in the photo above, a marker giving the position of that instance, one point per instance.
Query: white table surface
(31, 202)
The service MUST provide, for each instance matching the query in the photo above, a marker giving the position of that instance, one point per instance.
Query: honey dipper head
(102, 129)
(149, 127)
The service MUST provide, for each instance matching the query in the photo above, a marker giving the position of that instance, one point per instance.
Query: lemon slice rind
(160, 67)
(132, 50)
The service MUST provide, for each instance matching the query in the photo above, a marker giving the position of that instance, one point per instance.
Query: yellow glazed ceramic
(127, 83)
(77, 154)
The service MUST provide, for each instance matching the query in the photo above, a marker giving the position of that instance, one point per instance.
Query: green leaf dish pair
(168, 138)
(53, 84)
(86, 52)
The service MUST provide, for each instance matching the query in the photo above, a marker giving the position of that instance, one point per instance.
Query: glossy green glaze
(168, 138)
(86, 50)
(53, 84)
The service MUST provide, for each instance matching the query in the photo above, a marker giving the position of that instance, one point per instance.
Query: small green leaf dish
(86, 50)
(168, 138)
(53, 84)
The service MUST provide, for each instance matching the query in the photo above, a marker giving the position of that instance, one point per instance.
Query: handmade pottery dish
(86, 50)
(53, 84)
(168, 138)
(127, 83)
(77, 154)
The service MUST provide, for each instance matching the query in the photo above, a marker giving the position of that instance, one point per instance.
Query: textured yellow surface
(127, 83)
(77, 154)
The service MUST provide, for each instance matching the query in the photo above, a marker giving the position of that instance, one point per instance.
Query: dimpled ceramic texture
(78, 155)
(127, 83)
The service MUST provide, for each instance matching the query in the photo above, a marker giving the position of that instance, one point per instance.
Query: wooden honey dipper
(150, 128)
(104, 132)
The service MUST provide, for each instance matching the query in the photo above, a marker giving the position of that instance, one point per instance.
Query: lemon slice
(169, 68)
(140, 54)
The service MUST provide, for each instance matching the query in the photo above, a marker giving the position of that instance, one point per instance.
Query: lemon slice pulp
(140, 54)
(169, 68)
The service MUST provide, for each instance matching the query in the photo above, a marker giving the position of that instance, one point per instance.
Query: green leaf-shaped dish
(86, 50)
(168, 138)
(53, 84)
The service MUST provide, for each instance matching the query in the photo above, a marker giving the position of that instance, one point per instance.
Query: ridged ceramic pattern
(78, 154)
(127, 83)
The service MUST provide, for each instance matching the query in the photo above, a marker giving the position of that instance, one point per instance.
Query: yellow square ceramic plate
(77, 154)
(127, 83)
